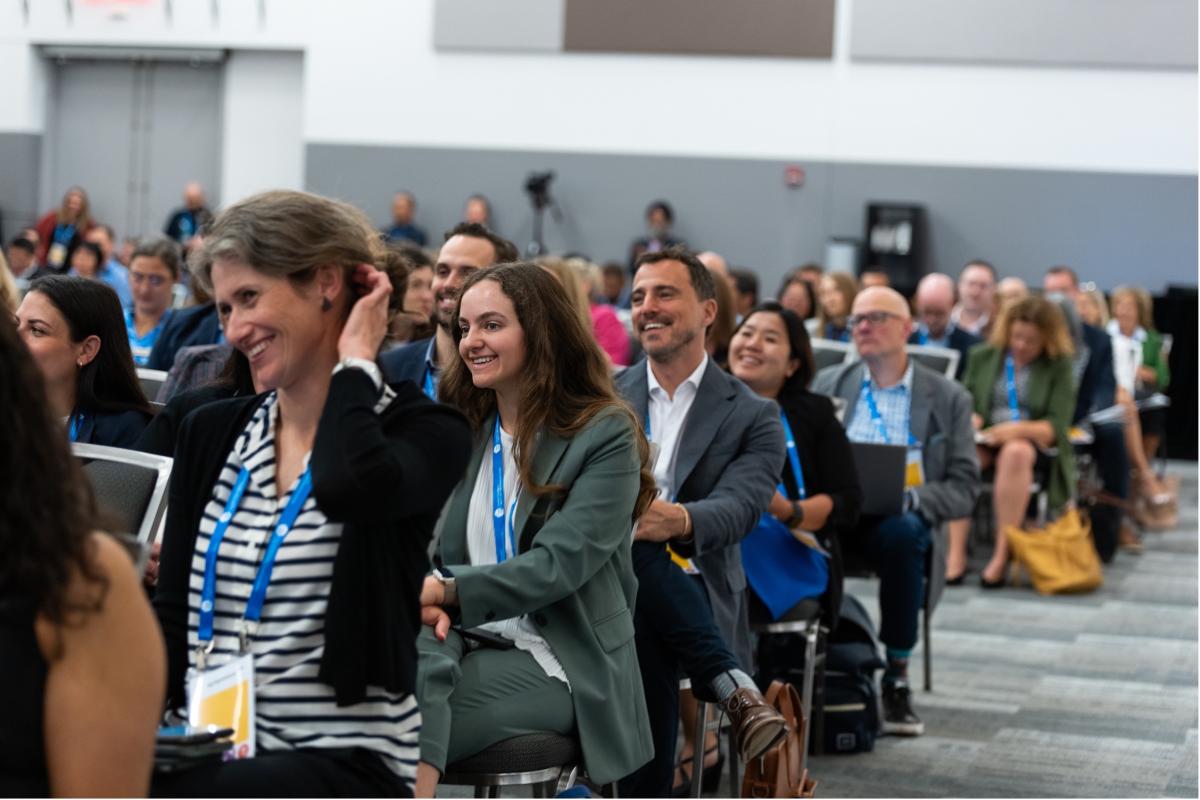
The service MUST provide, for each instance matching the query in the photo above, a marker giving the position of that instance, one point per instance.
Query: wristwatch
(449, 587)
(797, 513)
(369, 367)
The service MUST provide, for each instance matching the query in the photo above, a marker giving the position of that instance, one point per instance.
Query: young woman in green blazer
(535, 541)
(1024, 396)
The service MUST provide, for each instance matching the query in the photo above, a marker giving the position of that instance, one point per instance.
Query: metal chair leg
(735, 763)
(699, 747)
(927, 656)
(811, 633)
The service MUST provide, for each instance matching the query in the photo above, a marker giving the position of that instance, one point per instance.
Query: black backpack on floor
(851, 700)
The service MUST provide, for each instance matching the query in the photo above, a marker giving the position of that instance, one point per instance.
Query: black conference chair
(549, 763)
(130, 487)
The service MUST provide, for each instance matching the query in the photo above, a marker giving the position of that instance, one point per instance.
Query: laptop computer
(881, 476)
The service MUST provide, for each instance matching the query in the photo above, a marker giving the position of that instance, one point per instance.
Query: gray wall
(20, 157)
(1115, 228)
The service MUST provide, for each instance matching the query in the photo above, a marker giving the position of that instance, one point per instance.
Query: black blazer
(1098, 383)
(828, 464)
(406, 363)
(184, 328)
(112, 428)
(160, 435)
(959, 340)
(385, 477)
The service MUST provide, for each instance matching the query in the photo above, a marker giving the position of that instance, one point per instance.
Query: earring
(326, 304)
(79, 363)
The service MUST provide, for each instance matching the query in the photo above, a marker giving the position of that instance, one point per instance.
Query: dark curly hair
(47, 510)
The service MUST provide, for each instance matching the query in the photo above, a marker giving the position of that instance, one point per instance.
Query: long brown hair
(84, 220)
(1042, 314)
(566, 381)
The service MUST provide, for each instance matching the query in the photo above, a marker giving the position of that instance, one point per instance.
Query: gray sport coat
(731, 454)
(941, 422)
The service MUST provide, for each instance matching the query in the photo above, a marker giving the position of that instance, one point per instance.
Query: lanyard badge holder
(1010, 380)
(914, 466)
(224, 695)
(502, 523)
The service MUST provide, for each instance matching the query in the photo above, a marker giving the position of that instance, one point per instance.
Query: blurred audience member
(75, 330)
(800, 297)
(61, 230)
(154, 270)
(125, 253)
(610, 332)
(478, 211)
(82, 665)
(1023, 389)
(1009, 290)
(976, 289)
(111, 271)
(811, 274)
(934, 305)
(745, 291)
(403, 229)
(614, 291)
(659, 219)
(721, 331)
(835, 299)
(873, 276)
(418, 293)
(21, 259)
(10, 297)
(186, 327)
(1092, 306)
(189, 221)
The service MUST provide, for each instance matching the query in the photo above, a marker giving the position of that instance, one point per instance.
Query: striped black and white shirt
(294, 708)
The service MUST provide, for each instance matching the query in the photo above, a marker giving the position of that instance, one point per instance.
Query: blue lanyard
(502, 526)
(1010, 376)
(877, 418)
(258, 593)
(78, 420)
(63, 233)
(430, 389)
(794, 458)
(922, 337)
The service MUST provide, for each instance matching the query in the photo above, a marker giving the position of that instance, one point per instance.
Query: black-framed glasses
(873, 318)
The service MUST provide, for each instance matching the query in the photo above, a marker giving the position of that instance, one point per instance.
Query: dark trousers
(1112, 459)
(344, 772)
(895, 548)
(674, 631)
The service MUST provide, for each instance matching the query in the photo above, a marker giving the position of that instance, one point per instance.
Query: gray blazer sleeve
(732, 508)
(953, 495)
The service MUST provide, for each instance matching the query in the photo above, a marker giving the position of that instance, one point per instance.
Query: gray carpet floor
(1068, 696)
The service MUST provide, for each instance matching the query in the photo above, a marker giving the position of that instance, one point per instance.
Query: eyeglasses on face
(872, 318)
(141, 277)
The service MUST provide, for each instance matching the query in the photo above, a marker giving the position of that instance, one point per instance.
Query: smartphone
(187, 734)
(487, 638)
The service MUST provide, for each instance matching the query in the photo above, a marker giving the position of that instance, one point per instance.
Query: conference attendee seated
(403, 229)
(535, 544)
(191, 219)
(187, 327)
(659, 219)
(1009, 290)
(745, 291)
(614, 292)
(976, 298)
(76, 332)
(467, 248)
(418, 294)
(607, 326)
(110, 271)
(1096, 389)
(835, 298)
(61, 230)
(81, 658)
(1023, 393)
(10, 296)
(818, 492)
(299, 518)
(934, 305)
(797, 295)
(892, 399)
(873, 276)
(720, 454)
(21, 261)
(153, 271)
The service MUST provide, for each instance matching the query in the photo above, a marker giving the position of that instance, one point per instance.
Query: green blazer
(1152, 357)
(1051, 397)
(573, 576)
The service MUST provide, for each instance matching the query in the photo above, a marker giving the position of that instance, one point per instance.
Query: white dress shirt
(667, 417)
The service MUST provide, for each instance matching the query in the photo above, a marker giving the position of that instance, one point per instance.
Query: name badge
(914, 469)
(224, 697)
(57, 255)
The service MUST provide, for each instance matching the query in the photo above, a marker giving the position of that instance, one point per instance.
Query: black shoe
(898, 715)
(958, 579)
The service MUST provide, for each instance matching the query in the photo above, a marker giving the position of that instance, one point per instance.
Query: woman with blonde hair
(1023, 389)
(575, 276)
(835, 297)
(10, 298)
(61, 230)
(1091, 305)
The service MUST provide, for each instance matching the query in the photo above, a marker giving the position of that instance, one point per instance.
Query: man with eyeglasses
(891, 399)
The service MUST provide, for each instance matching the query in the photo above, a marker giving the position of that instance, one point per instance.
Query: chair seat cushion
(526, 753)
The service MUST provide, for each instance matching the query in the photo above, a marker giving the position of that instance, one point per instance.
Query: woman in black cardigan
(365, 466)
(771, 353)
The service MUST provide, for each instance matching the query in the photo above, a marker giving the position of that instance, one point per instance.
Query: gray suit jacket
(731, 453)
(941, 421)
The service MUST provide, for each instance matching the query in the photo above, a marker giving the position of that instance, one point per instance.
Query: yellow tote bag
(1059, 558)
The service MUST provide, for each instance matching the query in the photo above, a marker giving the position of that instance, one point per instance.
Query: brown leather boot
(757, 727)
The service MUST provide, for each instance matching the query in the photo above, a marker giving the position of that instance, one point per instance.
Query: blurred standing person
(659, 219)
(403, 229)
(478, 211)
(60, 231)
(187, 222)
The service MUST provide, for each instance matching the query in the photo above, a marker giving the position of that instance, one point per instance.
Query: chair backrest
(130, 486)
(941, 359)
(839, 408)
(827, 353)
(151, 381)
